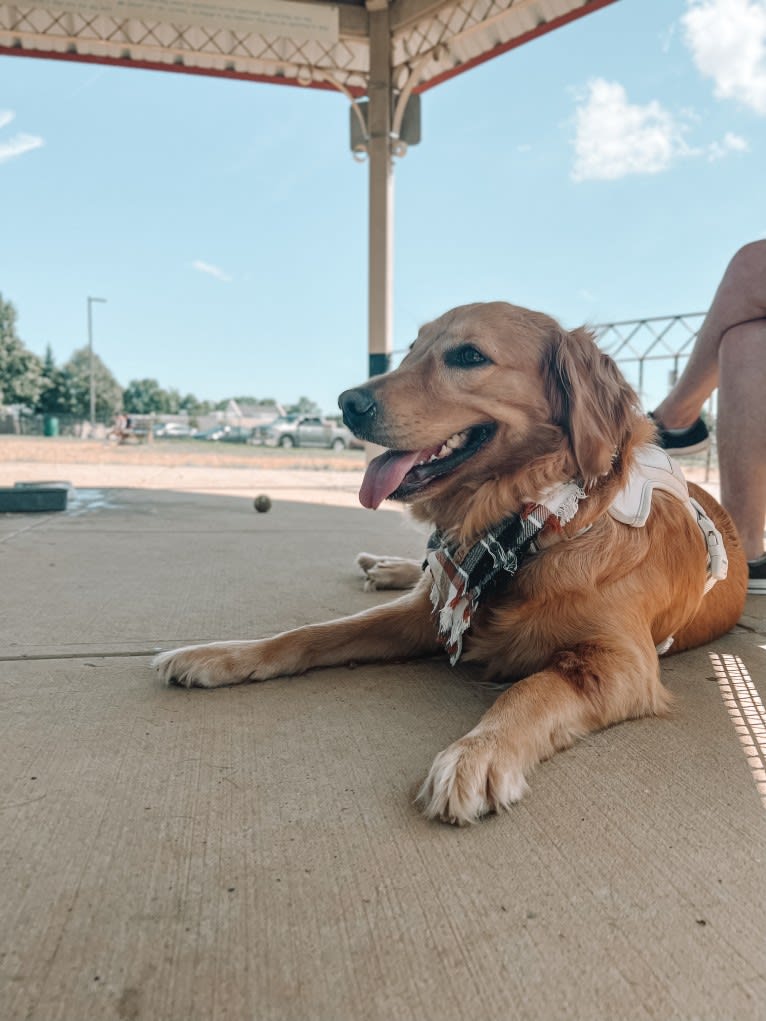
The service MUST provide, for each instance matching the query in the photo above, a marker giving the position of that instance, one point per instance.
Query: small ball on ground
(262, 503)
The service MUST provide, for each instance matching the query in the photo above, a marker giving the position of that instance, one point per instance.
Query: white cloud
(18, 145)
(213, 271)
(727, 39)
(615, 138)
(666, 38)
(729, 143)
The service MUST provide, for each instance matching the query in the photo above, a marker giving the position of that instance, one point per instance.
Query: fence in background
(49, 425)
(641, 347)
(638, 344)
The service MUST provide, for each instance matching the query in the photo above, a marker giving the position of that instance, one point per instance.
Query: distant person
(118, 428)
(730, 353)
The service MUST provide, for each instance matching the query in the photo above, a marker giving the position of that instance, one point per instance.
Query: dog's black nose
(359, 409)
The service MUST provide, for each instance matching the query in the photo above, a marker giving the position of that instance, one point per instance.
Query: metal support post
(381, 198)
(90, 363)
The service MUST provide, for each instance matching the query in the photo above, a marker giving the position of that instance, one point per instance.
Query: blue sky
(605, 171)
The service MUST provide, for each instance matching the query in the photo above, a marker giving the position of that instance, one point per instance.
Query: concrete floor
(253, 852)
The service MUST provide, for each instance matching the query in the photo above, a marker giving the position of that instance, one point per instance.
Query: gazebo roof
(382, 49)
(313, 43)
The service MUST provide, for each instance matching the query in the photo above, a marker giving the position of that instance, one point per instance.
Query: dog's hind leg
(582, 690)
(401, 629)
(381, 572)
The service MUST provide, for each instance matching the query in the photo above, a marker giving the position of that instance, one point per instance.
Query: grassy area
(64, 450)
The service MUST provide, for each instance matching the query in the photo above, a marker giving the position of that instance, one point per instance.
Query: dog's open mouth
(401, 473)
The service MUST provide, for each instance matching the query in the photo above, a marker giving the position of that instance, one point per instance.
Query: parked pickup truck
(294, 431)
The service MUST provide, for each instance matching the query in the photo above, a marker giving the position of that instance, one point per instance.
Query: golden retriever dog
(524, 447)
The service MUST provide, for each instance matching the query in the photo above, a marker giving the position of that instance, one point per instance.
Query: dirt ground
(321, 477)
(64, 450)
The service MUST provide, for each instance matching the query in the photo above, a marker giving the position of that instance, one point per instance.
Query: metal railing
(637, 344)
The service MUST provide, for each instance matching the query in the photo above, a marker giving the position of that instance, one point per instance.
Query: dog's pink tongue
(384, 474)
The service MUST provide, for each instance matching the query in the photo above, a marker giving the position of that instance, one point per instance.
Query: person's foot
(756, 570)
(678, 442)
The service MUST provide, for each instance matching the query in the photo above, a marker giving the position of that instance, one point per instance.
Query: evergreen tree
(54, 396)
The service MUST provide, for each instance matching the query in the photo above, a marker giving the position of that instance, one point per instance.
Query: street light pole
(90, 362)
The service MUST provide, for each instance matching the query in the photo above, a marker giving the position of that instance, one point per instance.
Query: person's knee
(749, 258)
(743, 351)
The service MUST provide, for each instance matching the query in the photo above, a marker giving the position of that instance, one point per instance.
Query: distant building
(243, 416)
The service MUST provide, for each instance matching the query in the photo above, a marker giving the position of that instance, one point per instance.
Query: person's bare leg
(742, 430)
(740, 298)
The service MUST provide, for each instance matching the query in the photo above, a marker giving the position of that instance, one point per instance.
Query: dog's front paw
(475, 775)
(210, 666)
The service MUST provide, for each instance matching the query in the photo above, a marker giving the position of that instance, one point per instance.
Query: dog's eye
(465, 357)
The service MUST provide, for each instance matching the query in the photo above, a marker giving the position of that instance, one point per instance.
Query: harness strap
(654, 469)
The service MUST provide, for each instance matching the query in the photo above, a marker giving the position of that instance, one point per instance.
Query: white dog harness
(653, 469)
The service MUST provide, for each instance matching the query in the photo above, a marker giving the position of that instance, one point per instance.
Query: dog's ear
(590, 400)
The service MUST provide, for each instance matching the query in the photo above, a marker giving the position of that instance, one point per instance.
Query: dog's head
(495, 403)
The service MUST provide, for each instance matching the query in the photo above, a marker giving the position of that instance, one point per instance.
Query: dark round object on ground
(262, 503)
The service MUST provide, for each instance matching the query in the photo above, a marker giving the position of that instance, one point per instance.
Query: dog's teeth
(456, 441)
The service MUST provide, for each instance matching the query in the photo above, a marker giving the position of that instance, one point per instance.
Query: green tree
(304, 406)
(54, 396)
(146, 397)
(253, 400)
(194, 406)
(108, 391)
(174, 401)
(21, 371)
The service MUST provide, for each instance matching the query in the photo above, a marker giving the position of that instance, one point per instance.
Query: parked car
(236, 434)
(297, 431)
(226, 434)
(172, 430)
(211, 434)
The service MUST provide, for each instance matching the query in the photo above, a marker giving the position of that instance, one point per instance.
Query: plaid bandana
(458, 584)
